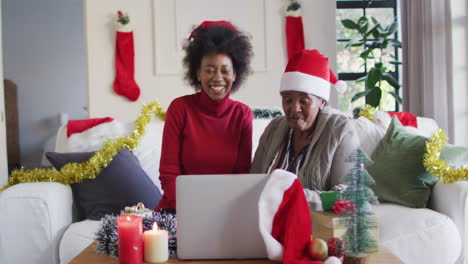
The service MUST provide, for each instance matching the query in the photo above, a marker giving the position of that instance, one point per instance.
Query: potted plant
(376, 41)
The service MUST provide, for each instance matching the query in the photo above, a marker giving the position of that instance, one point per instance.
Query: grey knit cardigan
(333, 140)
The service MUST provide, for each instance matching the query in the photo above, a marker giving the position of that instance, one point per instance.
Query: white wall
(44, 55)
(460, 70)
(3, 153)
(165, 84)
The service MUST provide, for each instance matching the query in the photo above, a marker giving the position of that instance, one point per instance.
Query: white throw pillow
(369, 134)
(382, 119)
(148, 151)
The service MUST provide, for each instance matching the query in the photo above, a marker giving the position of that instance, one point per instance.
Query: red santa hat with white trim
(284, 220)
(309, 71)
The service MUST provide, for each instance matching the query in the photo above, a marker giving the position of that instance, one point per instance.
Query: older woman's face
(301, 109)
(216, 75)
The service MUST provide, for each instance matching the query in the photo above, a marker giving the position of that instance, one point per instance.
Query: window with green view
(355, 64)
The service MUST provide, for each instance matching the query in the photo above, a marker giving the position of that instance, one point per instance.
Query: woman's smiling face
(301, 109)
(216, 75)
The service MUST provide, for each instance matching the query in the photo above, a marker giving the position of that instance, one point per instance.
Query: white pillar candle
(156, 245)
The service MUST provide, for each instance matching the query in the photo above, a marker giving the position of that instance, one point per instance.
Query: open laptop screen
(217, 216)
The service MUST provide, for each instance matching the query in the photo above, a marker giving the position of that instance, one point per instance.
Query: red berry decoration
(343, 206)
(336, 247)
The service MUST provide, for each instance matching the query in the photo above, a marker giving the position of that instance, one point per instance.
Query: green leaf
(348, 23)
(395, 62)
(395, 43)
(365, 54)
(354, 42)
(373, 77)
(361, 79)
(389, 30)
(396, 96)
(375, 21)
(376, 44)
(392, 81)
(363, 23)
(393, 28)
(384, 44)
(357, 44)
(373, 98)
(376, 32)
(374, 28)
(378, 65)
(359, 95)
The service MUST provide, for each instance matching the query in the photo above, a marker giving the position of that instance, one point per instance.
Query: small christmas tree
(358, 239)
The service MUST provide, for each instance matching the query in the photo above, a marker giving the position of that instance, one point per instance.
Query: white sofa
(37, 223)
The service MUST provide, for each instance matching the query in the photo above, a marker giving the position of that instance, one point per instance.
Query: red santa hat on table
(309, 71)
(284, 219)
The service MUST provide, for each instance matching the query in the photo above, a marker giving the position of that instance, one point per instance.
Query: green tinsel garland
(264, 113)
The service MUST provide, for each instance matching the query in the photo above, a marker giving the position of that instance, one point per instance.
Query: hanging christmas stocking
(294, 29)
(124, 83)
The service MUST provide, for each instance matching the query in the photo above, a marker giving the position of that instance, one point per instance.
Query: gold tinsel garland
(77, 172)
(438, 167)
(368, 111)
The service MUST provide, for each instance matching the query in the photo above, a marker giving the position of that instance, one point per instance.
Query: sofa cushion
(148, 150)
(398, 170)
(409, 233)
(369, 134)
(76, 238)
(122, 183)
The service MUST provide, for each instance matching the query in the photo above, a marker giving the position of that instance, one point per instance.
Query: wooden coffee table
(89, 255)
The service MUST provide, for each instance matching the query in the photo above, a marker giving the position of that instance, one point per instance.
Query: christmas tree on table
(358, 239)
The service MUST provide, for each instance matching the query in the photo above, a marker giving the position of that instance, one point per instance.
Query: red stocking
(294, 35)
(124, 83)
(294, 28)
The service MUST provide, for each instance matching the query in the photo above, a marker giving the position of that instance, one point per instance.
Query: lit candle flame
(155, 226)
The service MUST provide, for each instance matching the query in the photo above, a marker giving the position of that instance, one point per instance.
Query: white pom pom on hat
(341, 86)
(332, 260)
(309, 71)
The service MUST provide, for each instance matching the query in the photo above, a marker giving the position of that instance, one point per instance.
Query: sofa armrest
(452, 200)
(33, 217)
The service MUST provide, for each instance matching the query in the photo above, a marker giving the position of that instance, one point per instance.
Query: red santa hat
(309, 71)
(284, 219)
(211, 23)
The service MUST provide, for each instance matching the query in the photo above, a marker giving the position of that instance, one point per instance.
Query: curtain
(428, 63)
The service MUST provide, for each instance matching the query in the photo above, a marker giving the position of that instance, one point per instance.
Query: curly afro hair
(216, 39)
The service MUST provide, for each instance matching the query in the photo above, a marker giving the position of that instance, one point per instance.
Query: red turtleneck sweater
(202, 136)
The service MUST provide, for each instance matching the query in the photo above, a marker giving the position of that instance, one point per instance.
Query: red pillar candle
(130, 231)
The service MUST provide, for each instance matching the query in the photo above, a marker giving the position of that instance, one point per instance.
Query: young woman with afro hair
(207, 132)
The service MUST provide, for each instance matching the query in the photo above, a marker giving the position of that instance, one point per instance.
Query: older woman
(207, 132)
(309, 140)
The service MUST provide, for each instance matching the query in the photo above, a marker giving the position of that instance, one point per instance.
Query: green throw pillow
(398, 170)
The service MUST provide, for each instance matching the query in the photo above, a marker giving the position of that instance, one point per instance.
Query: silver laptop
(217, 216)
